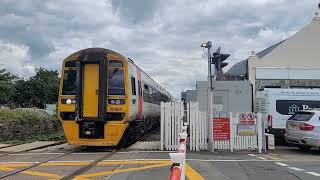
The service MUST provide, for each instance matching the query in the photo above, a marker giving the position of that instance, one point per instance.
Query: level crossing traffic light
(218, 59)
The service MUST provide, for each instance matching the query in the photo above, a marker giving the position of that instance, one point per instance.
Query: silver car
(303, 129)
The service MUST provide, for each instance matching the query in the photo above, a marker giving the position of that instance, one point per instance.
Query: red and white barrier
(179, 159)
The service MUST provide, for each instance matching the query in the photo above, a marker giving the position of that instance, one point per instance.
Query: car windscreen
(289, 107)
(301, 116)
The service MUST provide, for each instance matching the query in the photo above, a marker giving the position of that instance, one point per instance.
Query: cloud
(15, 58)
(161, 36)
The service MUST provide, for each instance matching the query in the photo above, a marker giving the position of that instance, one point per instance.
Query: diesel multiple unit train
(106, 100)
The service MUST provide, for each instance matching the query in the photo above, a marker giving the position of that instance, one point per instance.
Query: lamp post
(208, 46)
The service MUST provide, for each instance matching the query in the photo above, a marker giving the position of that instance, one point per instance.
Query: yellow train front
(105, 99)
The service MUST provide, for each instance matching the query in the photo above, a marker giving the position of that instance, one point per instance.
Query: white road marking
(26, 154)
(296, 169)
(262, 158)
(92, 153)
(282, 164)
(313, 173)
(232, 160)
(253, 155)
(111, 160)
(125, 152)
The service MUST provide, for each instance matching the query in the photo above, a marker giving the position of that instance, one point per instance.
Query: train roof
(96, 49)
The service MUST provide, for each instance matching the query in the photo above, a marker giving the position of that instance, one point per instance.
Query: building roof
(240, 69)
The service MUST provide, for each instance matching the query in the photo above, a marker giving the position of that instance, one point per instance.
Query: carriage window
(69, 82)
(133, 86)
(146, 89)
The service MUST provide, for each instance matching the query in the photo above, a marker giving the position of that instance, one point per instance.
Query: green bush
(27, 125)
(23, 115)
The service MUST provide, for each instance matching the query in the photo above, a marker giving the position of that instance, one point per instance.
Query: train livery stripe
(140, 105)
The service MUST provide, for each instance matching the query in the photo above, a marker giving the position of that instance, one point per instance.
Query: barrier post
(260, 130)
(179, 158)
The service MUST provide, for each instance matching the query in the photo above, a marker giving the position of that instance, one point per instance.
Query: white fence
(234, 134)
(241, 140)
(198, 122)
(171, 123)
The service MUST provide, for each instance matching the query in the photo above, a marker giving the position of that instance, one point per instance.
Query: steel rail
(39, 163)
(89, 166)
(27, 150)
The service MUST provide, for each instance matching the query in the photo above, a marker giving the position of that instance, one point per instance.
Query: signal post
(214, 74)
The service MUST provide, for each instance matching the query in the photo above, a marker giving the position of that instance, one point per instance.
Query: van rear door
(288, 107)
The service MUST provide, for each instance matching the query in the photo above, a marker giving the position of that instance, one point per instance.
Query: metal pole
(210, 111)
(209, 45)
(209, 92)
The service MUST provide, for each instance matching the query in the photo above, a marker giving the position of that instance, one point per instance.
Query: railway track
(89, 166)
(27, 150)
(38, 163)
(105, 155)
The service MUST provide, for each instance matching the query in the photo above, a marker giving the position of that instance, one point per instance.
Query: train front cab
(93, 99)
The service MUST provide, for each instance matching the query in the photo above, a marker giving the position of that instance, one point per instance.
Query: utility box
(228, 96)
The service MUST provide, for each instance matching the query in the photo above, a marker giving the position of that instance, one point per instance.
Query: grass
(23, 115)
(28, 116)
(58, 136)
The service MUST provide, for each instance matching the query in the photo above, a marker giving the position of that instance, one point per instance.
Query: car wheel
(305, 148)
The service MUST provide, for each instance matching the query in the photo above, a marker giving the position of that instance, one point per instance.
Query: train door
(139, 114)
(91, 98)
(90, 90)
(134, 96)
(140, 99)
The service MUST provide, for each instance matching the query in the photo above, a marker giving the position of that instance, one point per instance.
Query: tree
(49, 82)
(38, 90)
(6, 86)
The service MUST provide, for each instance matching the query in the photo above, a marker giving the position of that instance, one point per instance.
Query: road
(285, 163)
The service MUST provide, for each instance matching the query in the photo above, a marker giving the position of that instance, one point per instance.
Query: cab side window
(133, 86)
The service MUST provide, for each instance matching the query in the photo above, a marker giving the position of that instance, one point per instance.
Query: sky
(163, 37)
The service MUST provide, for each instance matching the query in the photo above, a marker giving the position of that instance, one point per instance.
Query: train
(105, 99)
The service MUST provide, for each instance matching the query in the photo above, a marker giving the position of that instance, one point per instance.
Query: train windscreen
(69, 82)
(116, 78)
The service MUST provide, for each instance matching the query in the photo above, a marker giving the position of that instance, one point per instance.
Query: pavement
(286, 163)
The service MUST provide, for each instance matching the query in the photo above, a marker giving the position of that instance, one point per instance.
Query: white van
(276, 105)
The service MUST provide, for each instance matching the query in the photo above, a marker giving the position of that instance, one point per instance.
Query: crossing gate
(171, 123)
(172, 119)
(198, 123)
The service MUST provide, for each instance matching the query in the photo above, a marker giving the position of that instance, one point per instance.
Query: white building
(294, 62)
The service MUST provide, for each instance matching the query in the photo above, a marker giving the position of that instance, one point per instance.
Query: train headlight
(116, 101)
(68, 101)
